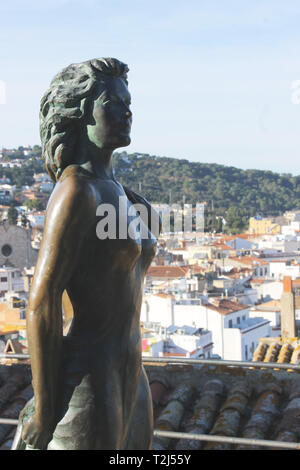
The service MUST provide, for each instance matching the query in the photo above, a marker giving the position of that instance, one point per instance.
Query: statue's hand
(35, 435)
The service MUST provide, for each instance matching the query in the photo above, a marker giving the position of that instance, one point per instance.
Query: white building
(279, 269)
(234, 334)
(269, 311)
(36, 219)
(158, 308)
(266, 289)
(11, 279)
(46, 187)
(291, 229)
(241, 244)
(283, 243)
(177, 341)
(189, 342)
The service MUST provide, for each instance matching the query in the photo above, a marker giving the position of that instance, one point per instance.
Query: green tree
(34, 204)
(12, 215)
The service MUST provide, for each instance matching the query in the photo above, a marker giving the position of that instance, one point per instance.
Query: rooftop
(225, 306)
(279, 350)
(223, 401)
(212, 398)
(271, 306)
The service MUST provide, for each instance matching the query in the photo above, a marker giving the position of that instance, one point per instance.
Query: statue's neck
(96, 161)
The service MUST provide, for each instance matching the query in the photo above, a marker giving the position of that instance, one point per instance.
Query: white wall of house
(190, 315)
(269, 290)
(272, 316)
(261, 270)
(280, 269)
(190, 343)
(231, 333)
(11, 280)
(156, 308)
(234, 335)
(183, 252)
(36, 220)
(248, 297)
(280, 244)
(240, 343)
(241, 244)
(290, 230)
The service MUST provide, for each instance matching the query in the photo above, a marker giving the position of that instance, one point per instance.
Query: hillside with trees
(230, 192)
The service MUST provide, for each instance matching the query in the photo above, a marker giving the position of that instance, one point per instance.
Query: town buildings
(217, 294)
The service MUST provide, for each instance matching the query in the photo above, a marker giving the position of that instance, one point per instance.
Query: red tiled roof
(174, 272)
(222, 246)
(166, 271)
(257, 280)
(269, 306)
(252, 260)
(217, 400)
(225, 306)
(249, 403)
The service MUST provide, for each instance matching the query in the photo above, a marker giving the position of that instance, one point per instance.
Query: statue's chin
(124, 141)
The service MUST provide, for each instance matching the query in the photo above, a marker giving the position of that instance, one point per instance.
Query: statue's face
(110, 123)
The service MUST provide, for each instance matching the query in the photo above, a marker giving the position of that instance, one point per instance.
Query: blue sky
(210, 79)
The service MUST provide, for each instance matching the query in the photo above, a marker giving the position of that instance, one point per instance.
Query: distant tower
(287, 306)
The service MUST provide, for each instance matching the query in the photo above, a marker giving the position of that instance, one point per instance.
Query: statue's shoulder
(73, 192)
(74, 170)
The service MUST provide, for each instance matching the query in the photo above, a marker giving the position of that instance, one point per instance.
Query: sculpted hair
(64, 106)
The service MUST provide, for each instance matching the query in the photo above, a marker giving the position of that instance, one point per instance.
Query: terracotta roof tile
(166, 271)
(249, 260)
(203, 414)
(237, 402)
(278, 350)
(173, 272)
(225, 307)
(204, 399)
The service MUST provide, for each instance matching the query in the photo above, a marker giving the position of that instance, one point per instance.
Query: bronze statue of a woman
(90, 388)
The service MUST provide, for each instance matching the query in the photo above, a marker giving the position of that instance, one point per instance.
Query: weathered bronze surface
(90, 388)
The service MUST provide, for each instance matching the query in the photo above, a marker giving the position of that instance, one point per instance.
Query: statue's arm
(70, 212)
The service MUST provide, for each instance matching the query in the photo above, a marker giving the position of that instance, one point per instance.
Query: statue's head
(86, 100)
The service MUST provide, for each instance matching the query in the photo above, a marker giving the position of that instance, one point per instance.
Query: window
(23, 315)
(6, 250)
(230, 324)
(3, 279)
(246, 353)
(238, 320)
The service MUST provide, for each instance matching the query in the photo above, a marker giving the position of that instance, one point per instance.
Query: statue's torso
(107, 284)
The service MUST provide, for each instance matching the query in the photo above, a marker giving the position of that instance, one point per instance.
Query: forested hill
(230, 193)
(162, 179)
